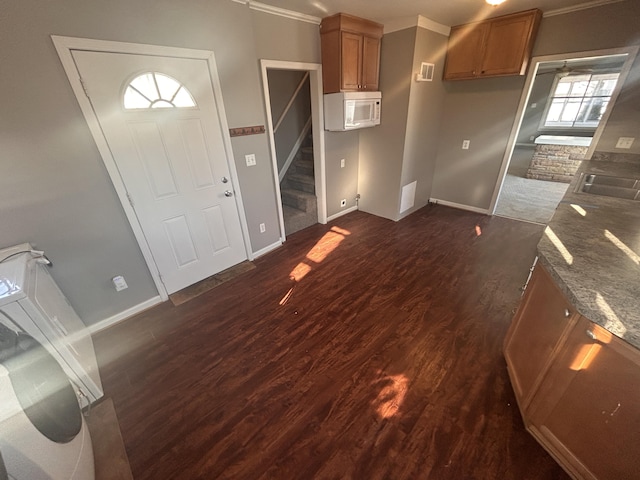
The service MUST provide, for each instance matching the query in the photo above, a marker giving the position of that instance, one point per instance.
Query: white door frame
(533, 70)
(317, 122)
(64, 46)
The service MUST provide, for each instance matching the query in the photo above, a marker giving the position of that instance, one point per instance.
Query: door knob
(225, 179)
(228, 193)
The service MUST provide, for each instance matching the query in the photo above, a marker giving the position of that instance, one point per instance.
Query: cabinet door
(464, 52)
(587, 411)
(536, 333)
(370, 63)
(351, 61)
(507, 46)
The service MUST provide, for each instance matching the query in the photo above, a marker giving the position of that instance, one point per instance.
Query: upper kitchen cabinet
(350, 53)
(496, 47)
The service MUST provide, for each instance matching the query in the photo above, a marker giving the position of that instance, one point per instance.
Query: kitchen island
(573, 349)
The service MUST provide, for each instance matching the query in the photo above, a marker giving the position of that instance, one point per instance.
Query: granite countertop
(591, 247)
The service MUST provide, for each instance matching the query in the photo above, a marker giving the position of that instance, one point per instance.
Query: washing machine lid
(13, 273)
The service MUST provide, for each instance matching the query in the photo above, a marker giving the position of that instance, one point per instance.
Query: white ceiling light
(494, 2)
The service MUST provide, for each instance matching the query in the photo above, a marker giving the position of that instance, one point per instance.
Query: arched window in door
(156, 90)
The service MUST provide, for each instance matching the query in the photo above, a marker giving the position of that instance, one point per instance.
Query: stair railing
(294, 150)
(302, 134)
(291, 100)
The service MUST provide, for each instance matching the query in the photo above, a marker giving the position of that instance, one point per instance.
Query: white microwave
(351, 110)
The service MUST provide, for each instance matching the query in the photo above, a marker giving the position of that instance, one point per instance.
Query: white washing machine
(31, 301)
(43, 435)
(46, 378)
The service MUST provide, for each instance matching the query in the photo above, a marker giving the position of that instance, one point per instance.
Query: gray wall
(426, 102)
(484, 110)
(55, 191)
(532, 117)
(342, 183)
(382, 147)
(278, 38)
(402, 150)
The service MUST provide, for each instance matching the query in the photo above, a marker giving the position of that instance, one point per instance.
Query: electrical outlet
(119, 283)
(342, 162)
(465, 144)
(263, 228)
(343, 202)
(534, 105)
(625, 142)
(250, 159)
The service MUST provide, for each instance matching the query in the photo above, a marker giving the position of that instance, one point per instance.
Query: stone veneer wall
(556, 163)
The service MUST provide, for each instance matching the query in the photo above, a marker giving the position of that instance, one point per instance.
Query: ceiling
(446, 12)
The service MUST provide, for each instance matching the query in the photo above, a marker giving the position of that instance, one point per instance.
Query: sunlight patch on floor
(327, 244)
(391, 395)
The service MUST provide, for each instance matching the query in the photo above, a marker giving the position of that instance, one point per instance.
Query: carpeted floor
(529, 200)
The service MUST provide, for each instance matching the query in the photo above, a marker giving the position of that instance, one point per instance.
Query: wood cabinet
(535, 334)
(587, 411)
(496, 47)
(350, 53)
(584, 404)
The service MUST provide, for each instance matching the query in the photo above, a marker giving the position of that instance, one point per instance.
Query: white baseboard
(266, 250)
(119, 317)
(459, 206)
(344, 212)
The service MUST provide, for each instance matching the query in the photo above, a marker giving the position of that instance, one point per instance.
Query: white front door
(160, 119)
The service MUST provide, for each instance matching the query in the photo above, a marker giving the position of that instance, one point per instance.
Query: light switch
(250, 159)
(465, 144)
(625, 142)
(342, 161)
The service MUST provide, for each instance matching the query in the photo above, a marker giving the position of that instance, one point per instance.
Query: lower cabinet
(535, 334)
(584, 407)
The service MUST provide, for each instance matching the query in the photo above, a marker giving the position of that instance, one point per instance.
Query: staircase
(298, 191)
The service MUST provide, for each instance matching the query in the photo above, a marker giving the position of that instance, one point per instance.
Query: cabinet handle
(591, 334)
(567, 313)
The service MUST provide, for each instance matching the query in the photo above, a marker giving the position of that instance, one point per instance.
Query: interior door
(160, 119)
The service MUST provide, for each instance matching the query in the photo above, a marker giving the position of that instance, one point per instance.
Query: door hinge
(84, 87)
(130, 200)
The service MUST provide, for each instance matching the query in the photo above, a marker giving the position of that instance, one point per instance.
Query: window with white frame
(579, 101)
(156, 90)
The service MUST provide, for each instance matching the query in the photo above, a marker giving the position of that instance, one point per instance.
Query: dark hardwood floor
(380, 359)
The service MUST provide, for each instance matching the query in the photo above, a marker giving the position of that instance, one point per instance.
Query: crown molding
(280, 12)
(581, 6)
(397, 24)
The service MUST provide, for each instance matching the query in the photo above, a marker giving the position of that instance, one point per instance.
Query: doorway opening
(564, 107)
(293, 102)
